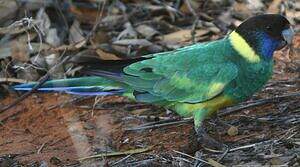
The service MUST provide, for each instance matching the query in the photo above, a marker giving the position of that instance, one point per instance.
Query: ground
(58, 129)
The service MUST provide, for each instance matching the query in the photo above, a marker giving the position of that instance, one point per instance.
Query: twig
(58, 140)
(158, 125)
(76, 99)
(41, 148)
(18, 26)
(254, 145)
(146, 117)
(135, 151)
(291, 81)
(201, 160)
(270, 142)
(257, 103)
(241, 147)
(162, 121)
(189, 5)
(139, 162)
(41, 81)
(182, 159)
(96, 101)
(195, 24)
(14, 80)
(224, 154)
(121, 160)
(293, 160)
(25, 95)
(98, 19)
(193, 32)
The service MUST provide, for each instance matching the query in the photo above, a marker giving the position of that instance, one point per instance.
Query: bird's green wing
(191, 74)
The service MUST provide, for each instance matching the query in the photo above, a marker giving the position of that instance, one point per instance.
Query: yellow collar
(242, 47)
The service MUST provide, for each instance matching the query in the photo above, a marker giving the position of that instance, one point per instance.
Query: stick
(14, 80)
(158, 125)
(25, 95)
(41, 81)
(129, 152)
(201, 160)
(258, 103)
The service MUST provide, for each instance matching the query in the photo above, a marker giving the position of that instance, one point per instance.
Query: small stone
(232, 131)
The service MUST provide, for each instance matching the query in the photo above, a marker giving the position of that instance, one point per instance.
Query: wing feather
(191, 74)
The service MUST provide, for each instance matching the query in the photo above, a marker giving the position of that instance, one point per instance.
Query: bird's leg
(201, 133)
(205, 139)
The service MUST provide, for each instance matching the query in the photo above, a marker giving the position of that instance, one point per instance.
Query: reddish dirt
(38, 132)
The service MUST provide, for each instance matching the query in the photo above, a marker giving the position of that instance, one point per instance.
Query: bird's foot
(207, 141)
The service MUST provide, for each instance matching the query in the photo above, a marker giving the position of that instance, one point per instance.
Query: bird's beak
(288, 35)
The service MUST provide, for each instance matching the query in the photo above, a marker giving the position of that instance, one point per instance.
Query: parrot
(196, 80)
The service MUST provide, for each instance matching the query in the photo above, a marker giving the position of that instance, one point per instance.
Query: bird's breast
(251, 78)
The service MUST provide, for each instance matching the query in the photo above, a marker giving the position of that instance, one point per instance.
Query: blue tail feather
(80, 86)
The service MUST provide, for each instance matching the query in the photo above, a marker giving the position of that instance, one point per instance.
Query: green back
(191, 74)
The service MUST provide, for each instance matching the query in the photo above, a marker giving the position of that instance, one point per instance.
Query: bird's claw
(207, 141)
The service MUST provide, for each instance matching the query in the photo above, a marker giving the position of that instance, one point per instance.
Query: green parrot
(196, 80)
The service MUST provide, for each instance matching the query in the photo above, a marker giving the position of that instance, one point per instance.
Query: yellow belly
(207, 108)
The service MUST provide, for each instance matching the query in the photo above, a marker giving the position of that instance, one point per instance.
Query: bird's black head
(266, 33)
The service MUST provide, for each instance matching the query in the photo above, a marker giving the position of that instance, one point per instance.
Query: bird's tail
(80, 86)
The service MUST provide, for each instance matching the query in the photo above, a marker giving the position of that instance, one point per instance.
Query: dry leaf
(276, 161)
(100, 37)
(5, 51)
(8, 10)
(80, 44)
(140, 42)
(44, 21)
(193, 4)
(19, 51)
(181, 36)
(241, 10)
(76, 34)
(147, 31)
(274, 6)
(106, 56)
(51, 61)
(214, 163)
(52, 37)
(128, 32)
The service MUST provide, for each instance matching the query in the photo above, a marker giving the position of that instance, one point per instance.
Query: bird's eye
(269, 28)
